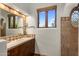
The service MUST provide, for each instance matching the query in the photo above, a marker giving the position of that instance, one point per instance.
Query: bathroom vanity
(20, 45)
(23, 49)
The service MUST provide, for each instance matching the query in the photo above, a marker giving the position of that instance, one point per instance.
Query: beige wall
(48, 41)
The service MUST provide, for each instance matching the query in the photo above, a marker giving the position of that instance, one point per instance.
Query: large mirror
(75, 16)
(10, 23)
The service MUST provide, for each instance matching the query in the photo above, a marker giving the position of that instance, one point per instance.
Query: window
(47, 17)
(12, 21)
(75, 16)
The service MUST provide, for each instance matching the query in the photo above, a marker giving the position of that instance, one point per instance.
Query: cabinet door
(28, 48)
(13, 52)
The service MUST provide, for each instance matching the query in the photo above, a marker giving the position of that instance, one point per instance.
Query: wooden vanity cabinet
(25, 49)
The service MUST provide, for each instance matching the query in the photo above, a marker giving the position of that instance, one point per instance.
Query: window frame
(46, 20)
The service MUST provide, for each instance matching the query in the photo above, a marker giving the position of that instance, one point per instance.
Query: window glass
(51, 18)
(42, 19)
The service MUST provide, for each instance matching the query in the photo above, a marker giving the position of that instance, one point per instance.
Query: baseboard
(37, 54)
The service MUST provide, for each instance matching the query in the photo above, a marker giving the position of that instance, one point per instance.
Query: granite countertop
(18, 42)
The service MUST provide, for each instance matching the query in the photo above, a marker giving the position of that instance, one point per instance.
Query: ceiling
(28, 8)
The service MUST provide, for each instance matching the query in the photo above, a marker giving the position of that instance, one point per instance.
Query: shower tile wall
(69, 38)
